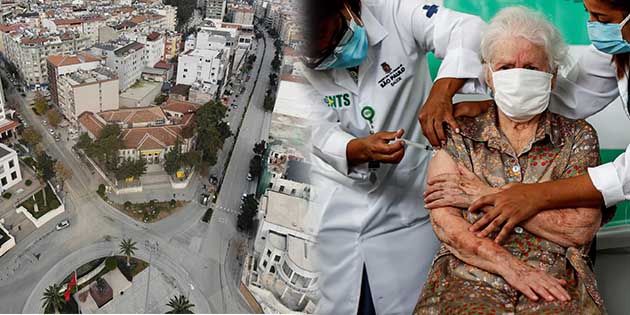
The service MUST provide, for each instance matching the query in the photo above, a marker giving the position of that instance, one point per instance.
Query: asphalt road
(190, 251)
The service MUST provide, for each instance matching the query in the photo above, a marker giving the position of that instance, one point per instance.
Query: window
(14, 176)
(264, 264)
(11, 164)
(272, 269)
(268, 253)
(3, 181)
(281, 188)
(293, 191)
(276, 259)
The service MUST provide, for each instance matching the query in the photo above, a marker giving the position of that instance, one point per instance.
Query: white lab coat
(586, 88)
(382, 225)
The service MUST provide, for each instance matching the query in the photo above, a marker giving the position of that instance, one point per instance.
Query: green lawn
(51, 203)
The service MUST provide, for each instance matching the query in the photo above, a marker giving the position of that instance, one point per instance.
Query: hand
(437, 111)
(455, 190)
(376, 147)
(512, 205)
(472, 109)
(533, 283)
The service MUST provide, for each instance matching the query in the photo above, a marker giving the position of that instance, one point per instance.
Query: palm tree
(180, 305)
(128, 248)
(52, 298)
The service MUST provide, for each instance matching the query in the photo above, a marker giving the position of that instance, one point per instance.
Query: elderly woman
(541, 267)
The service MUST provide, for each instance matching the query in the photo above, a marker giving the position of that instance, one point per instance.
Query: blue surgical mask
(607, 37)
(349, 54)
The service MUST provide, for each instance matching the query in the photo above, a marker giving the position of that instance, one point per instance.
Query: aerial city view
(153, 158)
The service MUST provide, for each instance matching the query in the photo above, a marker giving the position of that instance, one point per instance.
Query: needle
(416, 145)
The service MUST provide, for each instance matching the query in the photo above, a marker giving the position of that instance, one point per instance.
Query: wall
(6, 246)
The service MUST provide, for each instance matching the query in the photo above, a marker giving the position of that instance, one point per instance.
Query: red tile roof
(178, 106)
(134, 115)
(65, 60)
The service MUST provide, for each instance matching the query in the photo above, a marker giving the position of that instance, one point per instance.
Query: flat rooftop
(285, 210)
(4, 150)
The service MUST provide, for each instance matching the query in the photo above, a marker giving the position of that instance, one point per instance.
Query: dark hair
(622, 61)
(316, 14)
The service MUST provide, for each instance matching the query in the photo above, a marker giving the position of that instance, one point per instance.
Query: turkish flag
(71, 284)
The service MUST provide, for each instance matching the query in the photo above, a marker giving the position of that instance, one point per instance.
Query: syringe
(416, 145)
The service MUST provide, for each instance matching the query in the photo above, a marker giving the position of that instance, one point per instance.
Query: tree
(63, 173)
(45, 166)
(211, 130)
(255, 166)
(52, 298)
(84, 141)
(54, 117)
(160, 99)
(259, 148)
(40, 104)
(245, 220)
(106, 146)
(273, 79)
(128, 248)
(172, 159)
(192, 159)
(31, 136)
(130, 168)
(269, 102)
(276, 63)
(180, 305)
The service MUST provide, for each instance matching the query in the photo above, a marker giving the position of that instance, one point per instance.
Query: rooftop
(298, 171)
(134, 115)
(286, 211)
(4, 150)
(92, 76)
(129, 48)
(66, 60)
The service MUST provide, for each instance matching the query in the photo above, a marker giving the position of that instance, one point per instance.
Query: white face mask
(520, 93)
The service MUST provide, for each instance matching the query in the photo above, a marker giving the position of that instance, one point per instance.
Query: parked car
(250, 177)
(52, 131)
(62, 225)
(44, 122)
(204, 199)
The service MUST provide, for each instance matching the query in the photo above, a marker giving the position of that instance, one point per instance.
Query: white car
(52, 131)
(62, 225)
(44, 122)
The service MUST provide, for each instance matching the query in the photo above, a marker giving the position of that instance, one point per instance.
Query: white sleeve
(586, 86)
(328, 139)
(613, 179)
(452, 36)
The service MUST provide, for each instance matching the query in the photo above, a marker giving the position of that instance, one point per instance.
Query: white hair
(519, 21)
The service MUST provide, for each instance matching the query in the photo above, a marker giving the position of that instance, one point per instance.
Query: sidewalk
(164, 193)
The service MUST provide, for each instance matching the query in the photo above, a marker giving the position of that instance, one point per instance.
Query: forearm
(446, 87)
(566, 227)
(452, 229)
(570, 192)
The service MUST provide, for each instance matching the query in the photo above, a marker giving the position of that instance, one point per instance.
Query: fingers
(482, 202)
(541, 290)
(393, 157)
(493, 226)
(450, 120)
(528, 292)
(555, 288)
(389, 136)
(432, 135)
(505, 231)
(439, 130)
(431, 188)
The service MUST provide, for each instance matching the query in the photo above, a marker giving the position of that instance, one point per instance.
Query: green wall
(568, 15)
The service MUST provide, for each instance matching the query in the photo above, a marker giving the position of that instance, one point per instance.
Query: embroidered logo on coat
(431, 10)
(386, 67)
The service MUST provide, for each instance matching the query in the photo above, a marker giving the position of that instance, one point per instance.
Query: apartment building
(87, 90)
(125, 58)
(243, 14)
(29, 52)
(215, 9)
(58, 65)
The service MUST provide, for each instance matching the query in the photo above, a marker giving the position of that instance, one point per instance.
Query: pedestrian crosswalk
(227, 210)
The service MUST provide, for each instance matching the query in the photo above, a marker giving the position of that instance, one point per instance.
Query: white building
(153, 48)
(10, 173)
(170, 12)
(124, 58)
(283, 262)
(203, 69)
(7, 241)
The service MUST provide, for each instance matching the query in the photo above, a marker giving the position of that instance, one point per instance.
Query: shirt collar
(374, 29)
(484, 128)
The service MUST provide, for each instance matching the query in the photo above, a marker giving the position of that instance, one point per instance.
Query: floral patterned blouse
(561, 148)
